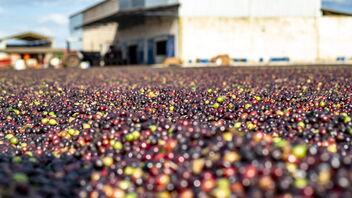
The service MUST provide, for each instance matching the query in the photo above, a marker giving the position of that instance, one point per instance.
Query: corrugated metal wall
(76, 21)
(153, 3)
(130, 4)
(76, 31)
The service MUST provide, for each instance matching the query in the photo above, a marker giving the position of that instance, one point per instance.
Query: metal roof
(28, 36)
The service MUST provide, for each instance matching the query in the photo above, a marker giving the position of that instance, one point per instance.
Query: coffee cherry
(299, 151)
(52, 122)
(196, 132)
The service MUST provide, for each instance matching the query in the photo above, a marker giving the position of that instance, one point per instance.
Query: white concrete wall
(205, 37)
(99, 38)
(303, 40)
(335, 37)
(151, 29)
(250, 8)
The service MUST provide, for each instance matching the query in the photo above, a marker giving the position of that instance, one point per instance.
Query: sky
(50, 17)
(339, 5)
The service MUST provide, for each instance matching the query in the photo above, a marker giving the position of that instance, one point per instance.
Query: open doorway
(161, 51)
(132, 54)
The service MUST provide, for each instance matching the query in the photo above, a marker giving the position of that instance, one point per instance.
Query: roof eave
(338, 12)
(130, 12)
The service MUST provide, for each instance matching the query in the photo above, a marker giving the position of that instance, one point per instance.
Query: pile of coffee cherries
(200, 132)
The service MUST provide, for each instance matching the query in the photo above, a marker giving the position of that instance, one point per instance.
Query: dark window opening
(132, 54)
(161, 49)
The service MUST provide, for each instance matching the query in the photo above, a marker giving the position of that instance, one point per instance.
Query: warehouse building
(148, 31)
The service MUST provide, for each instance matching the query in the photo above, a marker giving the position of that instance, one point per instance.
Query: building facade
(96, 37)
(148, 31)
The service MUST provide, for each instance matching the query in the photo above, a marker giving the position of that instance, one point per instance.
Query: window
(161, 48)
